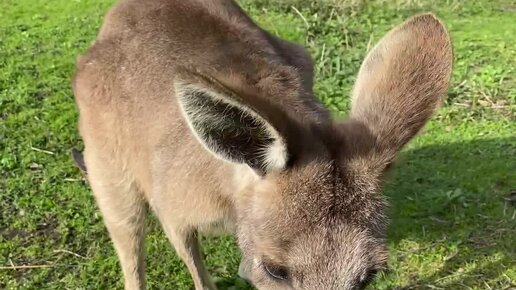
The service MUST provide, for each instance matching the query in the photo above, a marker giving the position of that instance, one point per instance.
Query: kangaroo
(190, 109)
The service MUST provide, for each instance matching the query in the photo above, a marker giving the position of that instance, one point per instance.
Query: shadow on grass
(448, 200)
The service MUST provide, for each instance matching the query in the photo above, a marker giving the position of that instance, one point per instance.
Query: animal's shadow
(451, 197)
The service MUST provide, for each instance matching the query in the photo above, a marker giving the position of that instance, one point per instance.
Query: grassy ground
(452, 227)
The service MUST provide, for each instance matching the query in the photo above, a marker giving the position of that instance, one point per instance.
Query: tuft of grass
(451, 226)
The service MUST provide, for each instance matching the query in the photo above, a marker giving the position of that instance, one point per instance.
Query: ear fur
(402, 81)
(230, 130)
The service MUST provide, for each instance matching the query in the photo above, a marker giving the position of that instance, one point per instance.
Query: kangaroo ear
(402, 81)
(230, 130)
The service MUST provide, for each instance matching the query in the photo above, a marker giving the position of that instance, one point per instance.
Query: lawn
(452, 224)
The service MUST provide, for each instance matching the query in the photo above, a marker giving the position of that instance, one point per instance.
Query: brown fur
(160, 69)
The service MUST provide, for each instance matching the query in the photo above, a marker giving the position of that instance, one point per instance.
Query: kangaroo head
(307, 196)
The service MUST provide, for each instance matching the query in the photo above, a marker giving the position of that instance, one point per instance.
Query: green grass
(451, 227)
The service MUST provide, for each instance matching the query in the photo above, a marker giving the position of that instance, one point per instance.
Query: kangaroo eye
(276, 272)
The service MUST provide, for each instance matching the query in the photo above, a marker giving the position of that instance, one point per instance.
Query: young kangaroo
(192, 109)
